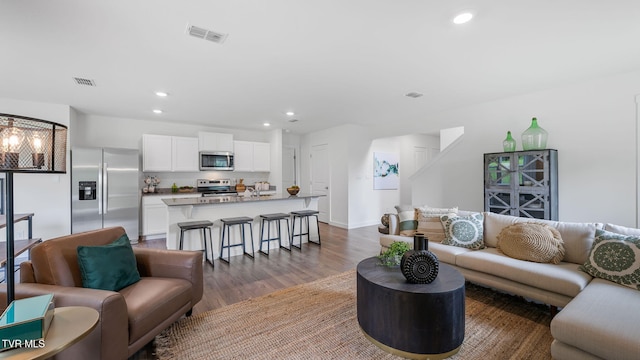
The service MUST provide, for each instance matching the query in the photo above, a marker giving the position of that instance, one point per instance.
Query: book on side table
(25, 322)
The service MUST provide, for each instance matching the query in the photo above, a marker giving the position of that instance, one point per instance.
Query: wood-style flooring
(246, 278)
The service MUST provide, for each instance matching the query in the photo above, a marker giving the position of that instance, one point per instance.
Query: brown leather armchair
(171, 284)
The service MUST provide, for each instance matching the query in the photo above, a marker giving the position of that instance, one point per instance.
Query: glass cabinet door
(522, 183)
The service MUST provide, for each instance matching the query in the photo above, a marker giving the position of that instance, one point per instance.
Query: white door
(320, 169)
(289, 176)
(419, 157)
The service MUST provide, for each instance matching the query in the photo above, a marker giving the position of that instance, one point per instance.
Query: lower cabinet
(154, 213)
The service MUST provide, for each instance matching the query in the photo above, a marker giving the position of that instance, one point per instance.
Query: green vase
(509, 144)
(535, 137)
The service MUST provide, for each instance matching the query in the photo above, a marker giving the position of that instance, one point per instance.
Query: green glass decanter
(535, 137)
(509, 144)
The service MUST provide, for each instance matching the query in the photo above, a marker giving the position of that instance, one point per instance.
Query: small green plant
(392, 256)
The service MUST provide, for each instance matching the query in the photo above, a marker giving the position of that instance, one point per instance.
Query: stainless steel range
(220, 187)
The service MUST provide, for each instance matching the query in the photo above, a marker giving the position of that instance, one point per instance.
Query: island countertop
(214, 208)
(213, 200)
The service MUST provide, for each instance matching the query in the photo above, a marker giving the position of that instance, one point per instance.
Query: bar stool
(203, 225)
(227, 223)
(269, 218)
(304, 214)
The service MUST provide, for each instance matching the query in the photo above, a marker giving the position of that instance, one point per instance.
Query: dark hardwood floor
(245, 278)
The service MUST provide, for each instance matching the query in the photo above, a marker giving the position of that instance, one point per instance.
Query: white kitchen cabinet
(251, 156)
(184, 154)
(261, 157)
(156, 153)
(154, 213)
(169, 153)
(208, 141)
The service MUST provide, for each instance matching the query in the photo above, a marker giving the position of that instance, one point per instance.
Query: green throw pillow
(108, 267)
(616, 258)
(463, 231)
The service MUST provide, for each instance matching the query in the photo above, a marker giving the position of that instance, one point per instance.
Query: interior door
(320, 175)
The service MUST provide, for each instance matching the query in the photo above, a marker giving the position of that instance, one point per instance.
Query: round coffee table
(417, 321)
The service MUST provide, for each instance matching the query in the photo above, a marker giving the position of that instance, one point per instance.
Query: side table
(69, 325)
(416, 321)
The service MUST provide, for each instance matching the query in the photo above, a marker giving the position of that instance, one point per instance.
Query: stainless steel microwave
(216, 160)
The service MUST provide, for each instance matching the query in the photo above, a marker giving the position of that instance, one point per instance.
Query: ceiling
(332, 62)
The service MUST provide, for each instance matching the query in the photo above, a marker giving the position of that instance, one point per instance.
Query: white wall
(354, 203)
(593, 126)
(45, 195)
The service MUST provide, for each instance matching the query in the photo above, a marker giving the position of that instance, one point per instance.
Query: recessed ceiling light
(462, 18)
(266, 124)
(290, 113)
(161, 94)
(157, 111)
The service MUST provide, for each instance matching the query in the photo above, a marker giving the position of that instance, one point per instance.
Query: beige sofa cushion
(577, 237)
(444, 253)
(623, 230)
(564, 278)
(601, 320)
(429, 223)
(531, 242)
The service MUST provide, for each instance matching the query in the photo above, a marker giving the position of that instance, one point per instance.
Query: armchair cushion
(108, 267)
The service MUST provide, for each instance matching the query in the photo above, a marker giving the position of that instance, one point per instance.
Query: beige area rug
(318, 321)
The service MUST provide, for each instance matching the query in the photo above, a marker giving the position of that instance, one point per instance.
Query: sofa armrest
(394, 224)
(108, 336)
(177, 264)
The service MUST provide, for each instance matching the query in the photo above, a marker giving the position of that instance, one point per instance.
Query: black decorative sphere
(419, 267)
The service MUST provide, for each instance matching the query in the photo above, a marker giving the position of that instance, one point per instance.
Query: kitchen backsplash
(189, 179)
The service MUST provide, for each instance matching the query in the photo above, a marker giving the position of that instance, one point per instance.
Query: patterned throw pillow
(407, 219)
(616, 258)
(429, 222)
(532, 242)
(464, 231)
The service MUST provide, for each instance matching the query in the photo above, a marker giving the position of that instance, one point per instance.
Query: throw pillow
(108, 267)
(407, 220)
(429, 223)
(463, 231)
(532, 242)
(616, 258)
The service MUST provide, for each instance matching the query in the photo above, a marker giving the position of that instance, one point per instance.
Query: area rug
(318, 321)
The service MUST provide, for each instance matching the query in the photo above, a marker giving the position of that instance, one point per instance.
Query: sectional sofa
(598, 319)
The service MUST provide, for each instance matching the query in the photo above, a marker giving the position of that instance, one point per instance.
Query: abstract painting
(385, 171)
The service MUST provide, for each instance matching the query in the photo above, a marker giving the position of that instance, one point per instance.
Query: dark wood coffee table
(417, 321)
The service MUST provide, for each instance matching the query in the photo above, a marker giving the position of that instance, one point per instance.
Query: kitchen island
(216, 207)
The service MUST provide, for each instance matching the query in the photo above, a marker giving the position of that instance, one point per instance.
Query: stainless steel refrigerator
(105, 190)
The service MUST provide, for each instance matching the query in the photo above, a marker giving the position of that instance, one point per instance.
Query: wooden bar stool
(227, 223)
(269, 218)
(300, 215)
(203, 225)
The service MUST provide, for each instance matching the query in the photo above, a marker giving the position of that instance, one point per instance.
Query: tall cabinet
(522, 183)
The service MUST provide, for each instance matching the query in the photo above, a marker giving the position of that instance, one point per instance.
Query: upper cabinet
(169, 153)
(185, 154)
(251, 156)
(208, 141)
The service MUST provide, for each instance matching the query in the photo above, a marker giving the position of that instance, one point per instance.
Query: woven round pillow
(532, 242)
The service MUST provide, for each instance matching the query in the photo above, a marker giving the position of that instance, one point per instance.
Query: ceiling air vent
(83, 81)
(413, 94)
(293, 120)
(206, 34)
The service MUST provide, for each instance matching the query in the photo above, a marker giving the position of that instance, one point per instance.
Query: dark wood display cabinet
(522, 183)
